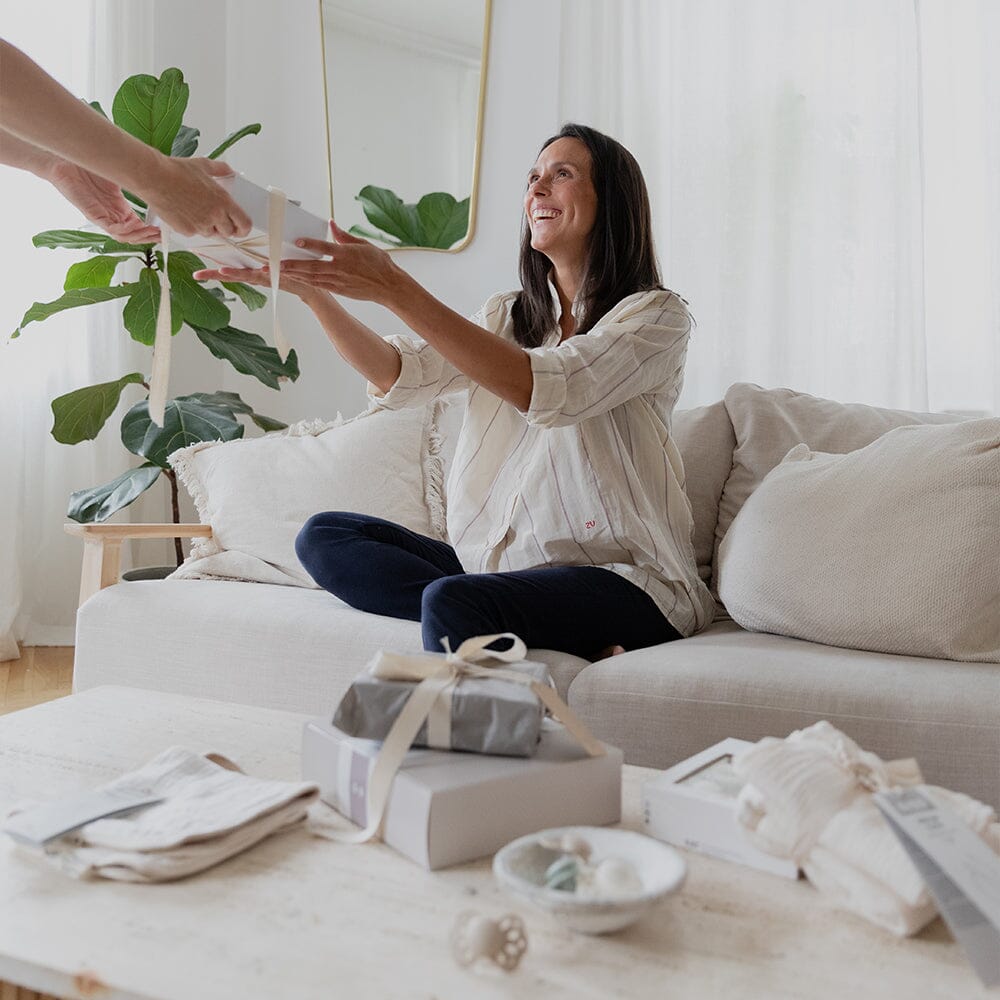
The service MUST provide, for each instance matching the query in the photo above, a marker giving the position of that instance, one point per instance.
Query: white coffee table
(306, 918)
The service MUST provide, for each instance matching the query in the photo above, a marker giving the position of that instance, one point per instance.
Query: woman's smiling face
(561, 203)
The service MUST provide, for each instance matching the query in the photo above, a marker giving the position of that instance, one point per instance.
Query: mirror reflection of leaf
(437, 220)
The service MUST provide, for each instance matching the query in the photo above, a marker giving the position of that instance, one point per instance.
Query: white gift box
(447, 807)
(253, 249)
(693, 805)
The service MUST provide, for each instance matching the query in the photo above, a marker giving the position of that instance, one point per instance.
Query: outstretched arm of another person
(37, 111)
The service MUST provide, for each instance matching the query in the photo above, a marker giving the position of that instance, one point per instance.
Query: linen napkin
(210, 811)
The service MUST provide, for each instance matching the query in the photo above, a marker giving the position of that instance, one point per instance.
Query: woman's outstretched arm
(359, 270)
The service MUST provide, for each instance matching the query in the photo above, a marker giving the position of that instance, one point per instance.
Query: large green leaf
(232, 401)
(199, 306)
(386, 210)
(186, 421)
(444, 219)
(249, 354)
(80, 239)
(96, 272)
(151, 109)
(70, 300)
(249, 295)
(142, 308)
(100, 502)
(233, 138)
(80, 415)
(185, 142)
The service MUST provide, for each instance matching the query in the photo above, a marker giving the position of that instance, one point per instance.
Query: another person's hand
(101, 202)
(258, 276)
(357, 269)
(185, 195)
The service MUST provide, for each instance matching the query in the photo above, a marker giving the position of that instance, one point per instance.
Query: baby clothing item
(808, 798)
(210, 811)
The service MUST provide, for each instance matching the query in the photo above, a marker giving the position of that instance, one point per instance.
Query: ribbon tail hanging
(160, 376)
(276, 200)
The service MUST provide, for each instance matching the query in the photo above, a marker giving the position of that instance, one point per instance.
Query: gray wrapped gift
(487, 715)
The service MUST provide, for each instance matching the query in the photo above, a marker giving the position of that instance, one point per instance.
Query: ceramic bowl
(520, 868)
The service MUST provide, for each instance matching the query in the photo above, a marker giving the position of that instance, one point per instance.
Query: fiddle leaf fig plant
(152, 109)
(437, 220)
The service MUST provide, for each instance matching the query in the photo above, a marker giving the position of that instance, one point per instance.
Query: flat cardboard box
(693, 805)
(448, 807)
(252, 250)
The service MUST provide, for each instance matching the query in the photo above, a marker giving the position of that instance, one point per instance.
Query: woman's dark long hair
(621, 258)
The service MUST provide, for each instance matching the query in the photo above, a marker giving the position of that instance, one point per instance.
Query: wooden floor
(41, 674)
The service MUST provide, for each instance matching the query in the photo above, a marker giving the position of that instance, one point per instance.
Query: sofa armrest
(102, 548)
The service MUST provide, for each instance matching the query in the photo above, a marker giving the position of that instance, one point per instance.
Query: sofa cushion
(258, 492)
(665, 703)
(256, 644)
(704, 436)
(768, 423)
(894, 547)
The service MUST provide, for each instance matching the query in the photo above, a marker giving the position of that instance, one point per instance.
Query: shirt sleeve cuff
(548, 389)
(401, 392)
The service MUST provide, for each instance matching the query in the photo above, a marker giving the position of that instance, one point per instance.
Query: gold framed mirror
(405, 89)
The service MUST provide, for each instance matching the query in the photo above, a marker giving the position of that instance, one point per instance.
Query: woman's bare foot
(609, 651)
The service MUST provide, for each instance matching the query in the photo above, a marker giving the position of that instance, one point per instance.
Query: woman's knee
(322, 530)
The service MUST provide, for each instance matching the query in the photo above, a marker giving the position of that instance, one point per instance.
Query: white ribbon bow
(436, 675)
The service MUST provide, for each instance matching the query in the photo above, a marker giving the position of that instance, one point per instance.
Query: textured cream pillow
(768, 422)
(258, 492)
(893, 548)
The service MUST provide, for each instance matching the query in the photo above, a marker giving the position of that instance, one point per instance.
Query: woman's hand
(258, 276)
(356, 269)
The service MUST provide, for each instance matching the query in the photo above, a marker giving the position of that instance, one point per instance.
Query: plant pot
(147, 573)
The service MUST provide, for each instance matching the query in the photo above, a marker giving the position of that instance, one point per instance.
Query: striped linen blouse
(589, 475)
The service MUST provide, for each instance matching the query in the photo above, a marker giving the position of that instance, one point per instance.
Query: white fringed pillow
(893, 548)
(256, 493)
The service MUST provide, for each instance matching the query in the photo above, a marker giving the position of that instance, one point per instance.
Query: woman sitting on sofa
(567, 516)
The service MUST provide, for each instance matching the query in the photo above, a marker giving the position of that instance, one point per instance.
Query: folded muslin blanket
(210, 811)
(808, 798)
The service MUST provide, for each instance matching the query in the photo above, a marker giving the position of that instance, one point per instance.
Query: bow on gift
(273, 241)
(431, 702)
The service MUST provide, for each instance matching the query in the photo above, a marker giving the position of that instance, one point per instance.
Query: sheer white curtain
(824, 184)
(89, 47)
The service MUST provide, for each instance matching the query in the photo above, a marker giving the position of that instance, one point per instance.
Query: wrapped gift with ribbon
(432, 680)
(276, 223)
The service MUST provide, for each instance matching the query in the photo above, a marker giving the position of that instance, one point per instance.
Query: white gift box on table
(253, 249)
(448, 807)
(693, 805)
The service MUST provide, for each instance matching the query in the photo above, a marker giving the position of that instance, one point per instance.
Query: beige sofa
(297, 649)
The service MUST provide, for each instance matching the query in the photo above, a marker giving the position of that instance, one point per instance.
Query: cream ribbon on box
(160, 377)
(436, 677)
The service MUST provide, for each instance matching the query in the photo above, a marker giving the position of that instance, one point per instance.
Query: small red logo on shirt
(591, 524)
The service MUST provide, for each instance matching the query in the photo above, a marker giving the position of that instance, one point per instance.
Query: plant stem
(176, 510)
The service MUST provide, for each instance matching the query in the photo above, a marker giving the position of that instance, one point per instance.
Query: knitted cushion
(893, 548)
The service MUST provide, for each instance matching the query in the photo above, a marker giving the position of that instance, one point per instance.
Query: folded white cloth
(808, 797)
(210, 811)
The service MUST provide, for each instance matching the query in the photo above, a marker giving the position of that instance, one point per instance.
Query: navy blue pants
(381, 567)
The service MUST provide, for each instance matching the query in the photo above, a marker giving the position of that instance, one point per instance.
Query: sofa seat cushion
(662, 704)
(251, 643)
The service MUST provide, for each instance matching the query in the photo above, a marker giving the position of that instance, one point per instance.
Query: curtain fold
(89, 47)
(809, 198)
